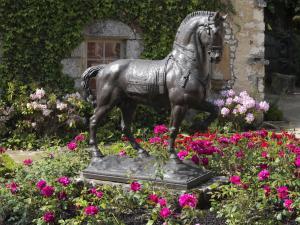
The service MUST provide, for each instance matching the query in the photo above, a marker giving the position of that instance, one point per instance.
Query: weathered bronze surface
(179, 81)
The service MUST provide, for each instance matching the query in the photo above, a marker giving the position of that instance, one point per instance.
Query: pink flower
(182, 154)
(135, 186)
(2, 150)
(79, 138)
(219, 102)
(263, 166)
(283, 192)
(240, 154)
(155, 140)
(64, 181)
(267, 190)
(288, 204)
(162, 202)
(91, 210)
(297, 162)
(99, 194)
(264, 154)
(13, 187)
(281, 154)
(27, 162)
(122, 153)
(249, 118)
(72, 145)
(195, 159)
(153, 198)
(264, 174)
(204, 161)
(235, 179)
(160, 129)
(264, 106)
(165, 212)
(41, 184)
(225, 111)
(187, 201)
(48, 217)
(47, 191)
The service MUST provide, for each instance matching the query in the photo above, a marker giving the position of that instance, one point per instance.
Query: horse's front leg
(177, 115)
(206, 107)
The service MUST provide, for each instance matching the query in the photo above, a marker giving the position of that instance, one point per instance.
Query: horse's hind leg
(128, 110)
(99, 114)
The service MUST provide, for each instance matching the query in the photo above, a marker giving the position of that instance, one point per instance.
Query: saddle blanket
(146, 77)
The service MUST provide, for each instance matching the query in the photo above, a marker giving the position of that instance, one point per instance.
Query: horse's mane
(195, 14)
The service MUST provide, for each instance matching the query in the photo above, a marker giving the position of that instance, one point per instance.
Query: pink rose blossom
(297, 162)
(27, 162)
(122, 153)
(288, 204)
(153, 198)
(283, 192)
(264, 154)
(91, 210)
(263, 175)
(135, 186)
(48, 217)
(41, 184)
(162, 202)
(13, 187)
(204, 161)
(235, 179)
(182, 154)
(47, 191)
(79, 138)
(165, 212)
(240, 154)
(64, 181)
(160, 129)
(72, 145)
(195, 159)
(187, 200)
(155, 140)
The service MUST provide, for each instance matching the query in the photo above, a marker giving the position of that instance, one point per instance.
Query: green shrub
(7, 165)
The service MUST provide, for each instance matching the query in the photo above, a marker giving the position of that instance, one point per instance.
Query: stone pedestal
(123, 169)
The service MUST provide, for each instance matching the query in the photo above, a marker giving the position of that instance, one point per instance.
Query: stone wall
(245, 35)
(75, 65)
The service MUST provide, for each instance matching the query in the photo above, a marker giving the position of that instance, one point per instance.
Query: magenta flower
(187, 201)
(264, 174)
(165, 212)
(48, 217)
(267, 190)
(91, 210)
(240, 154)
(264, 154)
(153, 198)
(99, 194)
(160, 129)
(162, 202)
(283, 192)
(62, 196)
(41, 184)
(64, 181)
(72, 145)
(182, 154)
(79, 138)
(122, 153)
(263, 166)
(47, 191)
(204, 161)
(155, 140)
(195, 159)
(235, 179)
(288, 204)
(13, 187)
(135, 186)
(27, 162)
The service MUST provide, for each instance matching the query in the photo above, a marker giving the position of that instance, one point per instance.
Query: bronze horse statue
(180, 80)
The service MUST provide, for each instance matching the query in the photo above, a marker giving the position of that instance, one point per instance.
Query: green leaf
(150, 222)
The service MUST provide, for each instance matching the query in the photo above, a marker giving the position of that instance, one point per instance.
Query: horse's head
(211, 35)
(200, 31)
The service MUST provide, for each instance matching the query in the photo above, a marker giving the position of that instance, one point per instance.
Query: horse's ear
(216, 16)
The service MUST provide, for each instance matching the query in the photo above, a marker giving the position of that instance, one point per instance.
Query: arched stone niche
(75, 65)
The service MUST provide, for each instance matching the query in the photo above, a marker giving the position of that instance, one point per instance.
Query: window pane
(100, 50)
(112, 49)
(91, 49)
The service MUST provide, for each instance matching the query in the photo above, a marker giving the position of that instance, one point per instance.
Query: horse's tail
(85, 77)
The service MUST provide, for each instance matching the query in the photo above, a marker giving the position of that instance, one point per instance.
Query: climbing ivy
(37, 34)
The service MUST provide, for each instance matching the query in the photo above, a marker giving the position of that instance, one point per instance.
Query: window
(103, 51)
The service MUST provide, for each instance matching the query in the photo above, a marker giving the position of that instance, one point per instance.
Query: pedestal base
(123, 169)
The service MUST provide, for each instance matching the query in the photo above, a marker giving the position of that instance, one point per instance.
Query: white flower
(241, 109)
(225, 111)
(236, 99)
(61, 106)
(230, 93)
(46, 112)
(33, 124)
(39, 93)
(244, 94)
(264, 106)
(229, 101)
(249, 118)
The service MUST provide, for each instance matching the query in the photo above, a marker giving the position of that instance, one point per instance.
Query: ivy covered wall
(37, 34)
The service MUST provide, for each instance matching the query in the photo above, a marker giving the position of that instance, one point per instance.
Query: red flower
(283, 192)
(27, 162)
(153, 198)
(235, 179)
(47, 191)
(165, 212)
(48, 217)
(264, 144)
(264, 154)
(204, 161)
(135, 186)
(240, 154)
(195, 159)
(160, 129)
(41, 184)
(187, 200)
(288, 204)
(281, 154)
(264, 174)
(72, 145)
